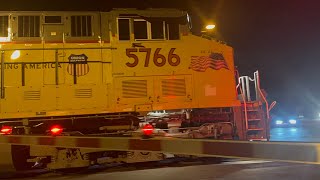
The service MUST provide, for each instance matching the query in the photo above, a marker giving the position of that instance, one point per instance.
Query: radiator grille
(83, 93)
(134, 89)
(32, 95)
(173, 87)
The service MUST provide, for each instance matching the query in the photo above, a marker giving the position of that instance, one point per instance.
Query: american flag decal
(214, 61)
(80, 69)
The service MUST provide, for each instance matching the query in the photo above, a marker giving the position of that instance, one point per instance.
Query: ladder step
(257, 139)
(256, 129)
(251, 110)
(254, 120)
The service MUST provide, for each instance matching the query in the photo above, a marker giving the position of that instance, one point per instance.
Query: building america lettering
(31, 66)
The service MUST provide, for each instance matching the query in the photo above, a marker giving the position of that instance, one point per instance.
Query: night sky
(280, 38)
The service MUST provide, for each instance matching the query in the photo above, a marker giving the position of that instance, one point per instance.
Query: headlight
(293, 121)
(15, 55)
(279, 122)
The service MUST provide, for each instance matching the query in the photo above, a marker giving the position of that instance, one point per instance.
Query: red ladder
(255, 108)
(256, 126)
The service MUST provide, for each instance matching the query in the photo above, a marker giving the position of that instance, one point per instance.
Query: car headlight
(279, 122)
(293, 121)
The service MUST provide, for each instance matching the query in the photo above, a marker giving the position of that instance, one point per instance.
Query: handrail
(267, 105)
(272, 105)
(55, 48)
(245, 104)
(265, 100)
(262, 95)
(2, 76)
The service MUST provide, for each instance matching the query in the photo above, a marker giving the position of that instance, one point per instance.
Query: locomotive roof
(151, 13)
(87, 5)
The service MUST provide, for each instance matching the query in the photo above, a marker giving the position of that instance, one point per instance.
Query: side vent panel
(32, 95)
(173, 87)
(83, 93)
(134, 89)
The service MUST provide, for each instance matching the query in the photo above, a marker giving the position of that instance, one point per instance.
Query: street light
(210, 26)
(208, 31)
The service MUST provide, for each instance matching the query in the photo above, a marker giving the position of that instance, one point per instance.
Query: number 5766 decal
(158, 59)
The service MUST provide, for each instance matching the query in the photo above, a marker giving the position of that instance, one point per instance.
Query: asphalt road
(308, 131)
(239, 170)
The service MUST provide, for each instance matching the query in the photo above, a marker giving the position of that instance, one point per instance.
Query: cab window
(147, 30)
(140, 28)
(124, 29)
(157, 30)
(173, 31)
(4, 25)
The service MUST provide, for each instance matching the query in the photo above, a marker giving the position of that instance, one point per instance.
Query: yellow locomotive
(93, 73)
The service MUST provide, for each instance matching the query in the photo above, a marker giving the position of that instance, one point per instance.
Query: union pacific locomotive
(106, 73)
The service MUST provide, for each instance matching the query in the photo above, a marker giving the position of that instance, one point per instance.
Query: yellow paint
(102, 87)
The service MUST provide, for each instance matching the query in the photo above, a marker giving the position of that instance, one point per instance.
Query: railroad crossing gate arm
(277, 151)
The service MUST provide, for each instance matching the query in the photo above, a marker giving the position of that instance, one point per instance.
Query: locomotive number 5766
(158, 59)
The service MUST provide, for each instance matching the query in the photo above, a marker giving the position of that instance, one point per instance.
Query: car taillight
(147, 130)
(6, 130)
(56, 130)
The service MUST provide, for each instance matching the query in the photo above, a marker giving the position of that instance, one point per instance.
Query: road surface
(308, 131)
(239, 170)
